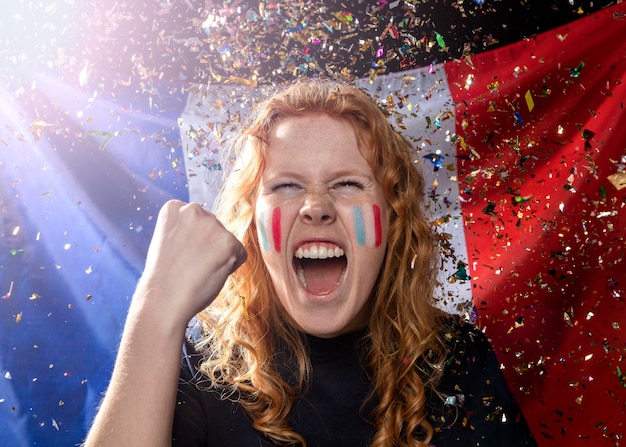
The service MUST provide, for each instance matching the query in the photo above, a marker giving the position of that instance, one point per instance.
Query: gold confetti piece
(529, 101)
(469, 81)
(493, 87)
(18, 318)
(618, 180)
(37, 128)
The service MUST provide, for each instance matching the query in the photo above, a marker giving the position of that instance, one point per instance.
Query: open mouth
(320, 267)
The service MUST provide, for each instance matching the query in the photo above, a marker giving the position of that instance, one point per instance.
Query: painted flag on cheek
(270, 230)
(367, 225)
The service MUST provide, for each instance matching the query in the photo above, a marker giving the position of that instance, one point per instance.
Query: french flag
(524, 151)
(269, 230)
(367, 225)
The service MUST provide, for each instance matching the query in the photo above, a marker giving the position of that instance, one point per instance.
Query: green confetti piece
(620, 375)
(440, 40)
(575, 72)
(108, 136)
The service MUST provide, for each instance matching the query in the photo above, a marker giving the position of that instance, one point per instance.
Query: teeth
(319, 252)
(314, 253)
(323, 253)
(301, 277)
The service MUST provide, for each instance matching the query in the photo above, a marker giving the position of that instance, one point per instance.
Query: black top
(474, 406)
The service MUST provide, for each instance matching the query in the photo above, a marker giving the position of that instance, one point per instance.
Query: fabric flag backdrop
(77, 204)
(524, 149)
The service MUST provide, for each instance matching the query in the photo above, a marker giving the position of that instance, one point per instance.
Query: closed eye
(285, 186)
(348, 184)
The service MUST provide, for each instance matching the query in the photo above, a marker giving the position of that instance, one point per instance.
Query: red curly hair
(404, 353)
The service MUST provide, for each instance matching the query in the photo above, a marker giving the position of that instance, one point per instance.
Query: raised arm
(190, 257)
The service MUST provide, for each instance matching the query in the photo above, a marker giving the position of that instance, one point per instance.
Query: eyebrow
(351, 172)
(333, 175)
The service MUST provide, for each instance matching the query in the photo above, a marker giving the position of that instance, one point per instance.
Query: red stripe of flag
(542, 129)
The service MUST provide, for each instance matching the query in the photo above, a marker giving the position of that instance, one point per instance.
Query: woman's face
(322, 224)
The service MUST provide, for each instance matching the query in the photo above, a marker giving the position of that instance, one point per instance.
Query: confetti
(620, 376)
(461, 273)
(529, 101)
(490, 209)
(440, 41)
(587, 134)
(107, 137)
(7, 295)
(575, 72)
(618, 180)
(436, 160)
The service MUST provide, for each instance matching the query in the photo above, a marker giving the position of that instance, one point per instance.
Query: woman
(327, 334)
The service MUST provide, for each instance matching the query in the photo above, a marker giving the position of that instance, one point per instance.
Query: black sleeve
(190, 427)
(204, 416)
(496, 414)
(476, 407)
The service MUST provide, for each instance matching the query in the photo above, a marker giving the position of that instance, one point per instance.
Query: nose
(318, 209)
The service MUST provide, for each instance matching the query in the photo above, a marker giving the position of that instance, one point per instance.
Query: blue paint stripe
(359, 225)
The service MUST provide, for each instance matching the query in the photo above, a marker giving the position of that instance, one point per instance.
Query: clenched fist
(190, 256)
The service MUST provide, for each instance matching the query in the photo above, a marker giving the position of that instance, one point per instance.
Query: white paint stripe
(368, 223)
(269, 230)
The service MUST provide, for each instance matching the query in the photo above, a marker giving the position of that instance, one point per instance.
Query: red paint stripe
(276, 228)
(378, 231)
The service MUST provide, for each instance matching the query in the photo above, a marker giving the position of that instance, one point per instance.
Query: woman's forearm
(138, 407)
(182, 276)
